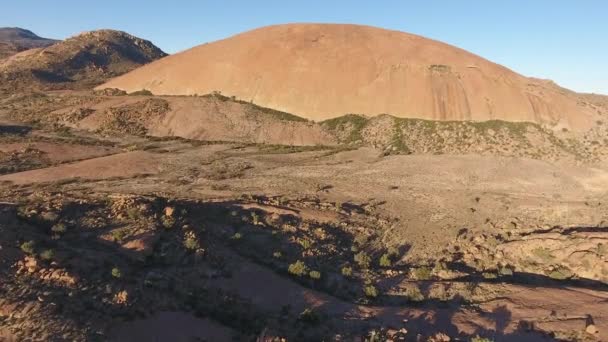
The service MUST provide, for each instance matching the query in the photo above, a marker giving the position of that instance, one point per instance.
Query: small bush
(191, 244)
(315, 275)
(480, 339)
(47, 254)
(422, 273)
(363, 260)
(59, 228)
(277, 255)
(143, 92)
(133, 213)
(385, 260)
(414, 294)
(370, 291)
(28, 247)
(347, 271)
(237, 236)
(309, 316)
(167, 222)
(119, 234)
(298, 268)
(116, 272)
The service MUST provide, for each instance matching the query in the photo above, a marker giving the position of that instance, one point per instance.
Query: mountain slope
(81, 61)
(14, 40)
(320, 71)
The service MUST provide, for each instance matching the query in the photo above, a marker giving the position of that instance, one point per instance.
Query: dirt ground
(510, 249)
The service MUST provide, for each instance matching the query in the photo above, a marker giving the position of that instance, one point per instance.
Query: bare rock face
(321, 71)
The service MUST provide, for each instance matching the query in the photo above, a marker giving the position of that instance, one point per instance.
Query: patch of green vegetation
(47, 254)
(310, 316)
(370, 291)
(119, 234)
(385, 260)
(59, 228)
(116, 273)
(298, 268)
(352, 123)
(28, 247)
(422, 273)
(414, 294)
(314, 275)
(191, 244)
(543, 253)
(286, 149)
(481, 339)
(440, 67)
(143, 92)
(347, 271)
(561, 273)
(276, 114)
(363, 260)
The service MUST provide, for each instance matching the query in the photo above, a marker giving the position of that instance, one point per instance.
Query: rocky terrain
(133, 216)
(84, 60)
(14, 40)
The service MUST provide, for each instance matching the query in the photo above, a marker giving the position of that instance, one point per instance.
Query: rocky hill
(85, 60)
(322, 71)
(14, 40)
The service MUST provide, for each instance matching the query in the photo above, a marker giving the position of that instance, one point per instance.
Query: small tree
(315, 275)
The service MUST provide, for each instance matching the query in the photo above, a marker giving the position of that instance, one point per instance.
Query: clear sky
(566, 41)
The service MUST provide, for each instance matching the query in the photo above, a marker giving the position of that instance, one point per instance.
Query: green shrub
(167, 221)
(370, 291)
(119, 234)
(59, 228)
(362, 259)
(422, 273)
(277, 255)
(480, 339)
(133, 213)
(28, 247)
(314, 275)
(143, 92)
(237, 236)
(116, 272)
(385, 260)
(47, 254)
(347, 271)
(414, 294)
(191, 244)
(298, 268)
(309, 316)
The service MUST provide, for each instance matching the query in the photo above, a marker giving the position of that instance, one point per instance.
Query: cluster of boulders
(31, 266)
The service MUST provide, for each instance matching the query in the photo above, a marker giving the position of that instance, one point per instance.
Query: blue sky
(566, 41)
